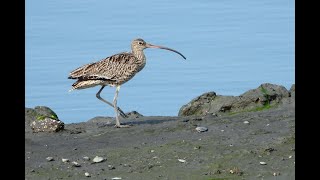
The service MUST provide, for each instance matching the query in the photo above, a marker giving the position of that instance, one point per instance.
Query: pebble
(201, 129)
(263, 163)
(75, 164)
(290, 157)
(86, 158)
(152, 151)
(276, 174)
(246, 122)
(98, 159)
(116, 178)
(65, 160)
(182, 160)
(197, 147)
(110, 167)
(87, 174)
(50, 159)
(222, 130)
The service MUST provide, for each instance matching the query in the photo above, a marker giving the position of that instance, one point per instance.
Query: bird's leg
(103, 100)
(118, 125)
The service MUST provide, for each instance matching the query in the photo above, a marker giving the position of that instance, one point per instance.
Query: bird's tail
(85, 84)
(74, 86)
(71, 89)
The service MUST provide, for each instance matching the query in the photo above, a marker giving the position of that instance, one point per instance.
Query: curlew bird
(114, 71)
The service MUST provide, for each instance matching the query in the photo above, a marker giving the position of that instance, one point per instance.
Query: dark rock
(100, 119)
(293, 90)
(265, 93)
(134, 114)
(30, 115)
(198, 105)
(45, 112)
(263, 97)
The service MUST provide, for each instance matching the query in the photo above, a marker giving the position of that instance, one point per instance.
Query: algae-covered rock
(42, 119)
(47, 125)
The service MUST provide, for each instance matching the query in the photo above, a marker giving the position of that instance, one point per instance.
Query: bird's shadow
(151, 122)
(138, 121)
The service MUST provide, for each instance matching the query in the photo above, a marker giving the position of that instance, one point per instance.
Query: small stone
(50, 159)
(32, 170)
(222, 130)
(290, 157)
(246, 122)
(86, 158)
(182, 160)
(263, 163)
(116, 178)
(269, 149)
(74, 149)
(75, 164)
(152, 151)
(276, 174)
(65, 160)
(110, 167)
(201, 129)
(87, 174)
(98, 159)
(197, 147)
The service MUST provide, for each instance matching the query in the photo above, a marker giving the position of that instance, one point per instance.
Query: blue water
(231, 46)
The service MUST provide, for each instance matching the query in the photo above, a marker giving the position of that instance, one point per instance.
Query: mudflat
(257, 144)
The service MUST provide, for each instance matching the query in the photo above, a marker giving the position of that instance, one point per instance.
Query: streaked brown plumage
(114, 71)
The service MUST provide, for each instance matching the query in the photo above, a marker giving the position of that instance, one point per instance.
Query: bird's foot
(122, 126)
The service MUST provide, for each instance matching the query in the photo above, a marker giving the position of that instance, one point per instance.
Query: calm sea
(231, 46)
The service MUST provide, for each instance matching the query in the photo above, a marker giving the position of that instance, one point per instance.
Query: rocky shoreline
(251, 136)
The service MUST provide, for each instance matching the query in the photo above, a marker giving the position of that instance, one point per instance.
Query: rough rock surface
(265, 96)
(42, 119)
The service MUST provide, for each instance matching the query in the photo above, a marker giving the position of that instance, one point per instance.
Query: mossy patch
(40, 117)
(265, 105)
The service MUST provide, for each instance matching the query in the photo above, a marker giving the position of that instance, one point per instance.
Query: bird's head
(140, 45)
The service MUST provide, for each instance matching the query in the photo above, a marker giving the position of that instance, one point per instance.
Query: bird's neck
(139, 55)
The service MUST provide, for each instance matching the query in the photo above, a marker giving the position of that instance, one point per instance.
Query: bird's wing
(105, 69)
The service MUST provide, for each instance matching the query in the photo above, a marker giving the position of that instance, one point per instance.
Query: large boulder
(42, 119)
(293, 91)
(265, 96)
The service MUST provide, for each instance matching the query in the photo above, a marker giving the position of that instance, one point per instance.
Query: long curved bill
(162, 47)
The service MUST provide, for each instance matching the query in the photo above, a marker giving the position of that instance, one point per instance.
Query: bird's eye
(140, 43)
